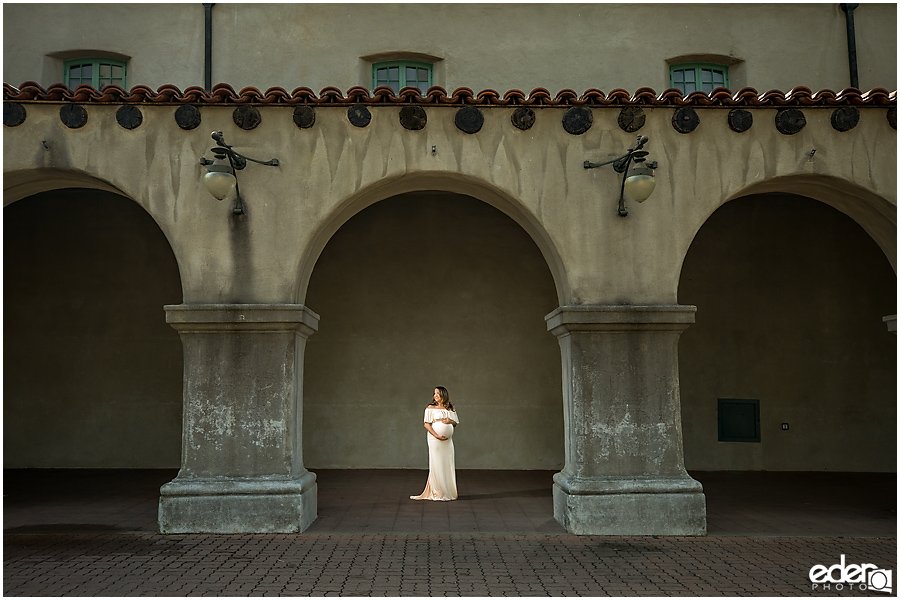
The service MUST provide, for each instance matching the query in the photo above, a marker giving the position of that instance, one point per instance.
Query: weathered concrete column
(624, 471)
(241, 464)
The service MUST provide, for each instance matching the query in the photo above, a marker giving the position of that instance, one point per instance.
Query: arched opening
(422, 289)
(790, 296)
(92, 372)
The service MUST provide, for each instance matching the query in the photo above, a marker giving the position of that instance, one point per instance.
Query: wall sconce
(221, 177)
(639, 181)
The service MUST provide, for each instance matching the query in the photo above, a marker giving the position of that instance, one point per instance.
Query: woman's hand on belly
(445, 431)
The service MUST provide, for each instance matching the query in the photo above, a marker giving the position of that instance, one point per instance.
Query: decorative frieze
(470, 119)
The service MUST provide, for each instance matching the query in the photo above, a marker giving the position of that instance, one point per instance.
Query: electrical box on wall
(739, 420)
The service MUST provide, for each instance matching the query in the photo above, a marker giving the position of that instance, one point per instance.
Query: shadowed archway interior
(790, 296)
(426, 289)
(92, 372)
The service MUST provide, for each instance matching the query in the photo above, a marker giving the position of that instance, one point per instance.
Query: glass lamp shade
(640, 184)
(219, 181)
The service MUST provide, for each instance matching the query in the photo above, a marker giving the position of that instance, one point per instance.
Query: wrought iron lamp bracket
(237, 161)
(621, 163)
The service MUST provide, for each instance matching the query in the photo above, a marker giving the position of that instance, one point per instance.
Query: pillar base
(233, 505)
(651, 505)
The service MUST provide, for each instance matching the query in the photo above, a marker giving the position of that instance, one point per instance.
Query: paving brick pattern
(425, 565)
(92, 533)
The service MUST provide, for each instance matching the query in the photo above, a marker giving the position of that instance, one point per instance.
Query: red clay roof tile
(384, 96)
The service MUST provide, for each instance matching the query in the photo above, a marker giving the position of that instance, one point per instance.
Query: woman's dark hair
(445, 396)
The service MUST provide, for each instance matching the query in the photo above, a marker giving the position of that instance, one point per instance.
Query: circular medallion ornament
(413, 117)
(685, 120)
(740, 120)
(577, 120)
(129, 116)
(469, 119)
(631, 118)
(187, 117)
(845, 118)
(246, 117)
(892, 117)
(789, 121)
(304, 117)
(13, 114)
(73, 116)
(359, 115)
(523, 118)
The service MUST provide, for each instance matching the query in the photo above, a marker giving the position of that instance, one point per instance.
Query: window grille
(402, 73)
(692, 77)
(96, 72)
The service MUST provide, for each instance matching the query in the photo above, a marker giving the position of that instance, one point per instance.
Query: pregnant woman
(440, 419)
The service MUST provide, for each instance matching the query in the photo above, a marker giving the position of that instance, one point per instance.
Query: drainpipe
(851, 43)
(207, 67)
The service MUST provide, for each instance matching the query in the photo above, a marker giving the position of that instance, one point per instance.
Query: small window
(738, 420)
(96, 72)
(698, 76)
(403, 73)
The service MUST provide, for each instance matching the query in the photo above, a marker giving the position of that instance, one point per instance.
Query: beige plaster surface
(333, 170)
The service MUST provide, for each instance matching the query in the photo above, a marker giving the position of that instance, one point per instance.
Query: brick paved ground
(425, 565)
(92, 534)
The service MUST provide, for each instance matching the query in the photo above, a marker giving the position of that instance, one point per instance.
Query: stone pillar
(241, 459)
(624, 471)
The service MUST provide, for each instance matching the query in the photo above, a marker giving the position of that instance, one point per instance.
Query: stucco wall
(481, 46)
(92, 373)
(790, 296)
(161, 43)
(428, 289)
(536, 178)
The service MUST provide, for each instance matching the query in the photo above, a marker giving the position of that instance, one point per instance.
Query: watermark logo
(860, 577)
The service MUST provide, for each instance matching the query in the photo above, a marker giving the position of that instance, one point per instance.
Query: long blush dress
(441, 483)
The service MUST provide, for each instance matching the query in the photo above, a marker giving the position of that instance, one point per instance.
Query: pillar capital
(620, 317)
(242, 317)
